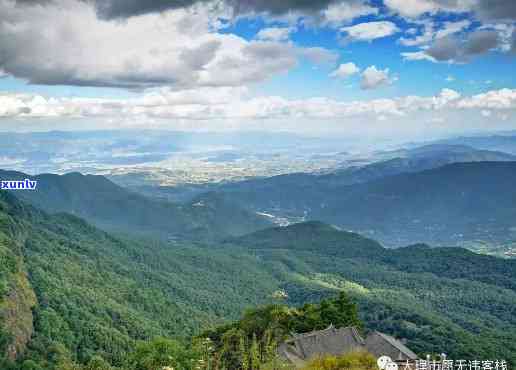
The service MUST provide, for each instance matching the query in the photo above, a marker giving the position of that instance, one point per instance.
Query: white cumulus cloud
(345, 70)
(370, 30)
(373, 78)
(343, 12)
(274, 34)
(416, 8)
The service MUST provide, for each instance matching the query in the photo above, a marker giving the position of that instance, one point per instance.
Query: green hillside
(98, 294)
(440, 299)
(113, 208)
(311, 236)
(69, 289)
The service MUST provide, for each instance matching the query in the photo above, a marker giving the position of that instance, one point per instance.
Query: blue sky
(422, 77)
(223, 63)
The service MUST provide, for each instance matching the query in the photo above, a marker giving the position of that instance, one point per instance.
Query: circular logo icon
(383, 362)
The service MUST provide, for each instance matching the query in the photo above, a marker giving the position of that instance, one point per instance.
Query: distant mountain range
(423, 194)
(382, 164)
(445, 206)
(114, 208)
(463, 201)
(504, 143)
(420, 194)
(390, 163)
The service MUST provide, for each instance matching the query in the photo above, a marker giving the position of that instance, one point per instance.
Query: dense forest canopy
(76, 293)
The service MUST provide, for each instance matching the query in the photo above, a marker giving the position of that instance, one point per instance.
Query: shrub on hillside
(349, 361)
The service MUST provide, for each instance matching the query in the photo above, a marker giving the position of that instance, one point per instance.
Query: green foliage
(252, 341)
(161, 353)
(440, 299)
(5, 339)
(8, 268)
(30, 365)
(349, 361)
(311, 236)
(6, 364)
(99, 295)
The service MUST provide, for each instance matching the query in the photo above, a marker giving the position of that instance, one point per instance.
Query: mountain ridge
(114, 208)
(448, 205)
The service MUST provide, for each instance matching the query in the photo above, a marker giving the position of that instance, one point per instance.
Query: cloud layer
(49, 45)
(184, 63)
(485, 10)
(499, 10)
(333, 12)
(138, 44)
(235, 103)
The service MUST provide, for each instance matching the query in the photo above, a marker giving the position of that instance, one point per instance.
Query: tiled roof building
(380, 344)
(333, 341)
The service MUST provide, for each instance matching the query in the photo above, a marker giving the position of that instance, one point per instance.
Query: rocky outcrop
(17, 298)
(17, 313)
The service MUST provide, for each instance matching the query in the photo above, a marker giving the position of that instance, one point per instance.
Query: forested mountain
(112, 207)
(440, 299)
(446, 205)
(67, 284)
(415, 160)
(72, 291)
(322, 239)
(257, 184)
(311, 236)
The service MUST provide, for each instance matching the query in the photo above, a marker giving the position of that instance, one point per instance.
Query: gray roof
(333, 341)
(302, 347)
(380, 344)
